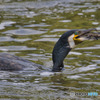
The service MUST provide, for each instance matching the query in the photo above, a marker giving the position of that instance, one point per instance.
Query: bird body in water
(61, 49)
(10, 62)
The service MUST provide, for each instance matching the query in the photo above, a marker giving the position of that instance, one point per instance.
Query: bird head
(82, 35)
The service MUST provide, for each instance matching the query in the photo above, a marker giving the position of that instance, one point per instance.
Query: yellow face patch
(77, 40)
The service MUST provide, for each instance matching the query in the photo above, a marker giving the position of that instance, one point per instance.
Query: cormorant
(61, 49)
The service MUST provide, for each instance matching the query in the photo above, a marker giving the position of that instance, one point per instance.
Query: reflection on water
(30, 29)
(37, 25)
(66, 21)
(97, 61)
(58, 30)
(7, 38)
(23, 32)
(86, 48)
(15, 48)
(48, 39)
(3, 24)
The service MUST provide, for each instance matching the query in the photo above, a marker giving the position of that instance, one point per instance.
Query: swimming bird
(61, 49)
(67, 42)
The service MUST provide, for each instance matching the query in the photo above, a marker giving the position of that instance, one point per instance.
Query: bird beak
(82, 35)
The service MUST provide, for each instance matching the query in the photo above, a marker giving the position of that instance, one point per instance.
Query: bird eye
(76, 33)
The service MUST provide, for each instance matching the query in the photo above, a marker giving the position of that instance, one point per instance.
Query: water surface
(29, 29)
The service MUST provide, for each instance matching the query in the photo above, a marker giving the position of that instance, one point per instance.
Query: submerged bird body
(61, 49)
(10, 62)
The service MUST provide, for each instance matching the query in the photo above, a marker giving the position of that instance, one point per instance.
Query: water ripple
(24, 32)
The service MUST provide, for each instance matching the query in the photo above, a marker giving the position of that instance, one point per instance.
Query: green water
(29, 29)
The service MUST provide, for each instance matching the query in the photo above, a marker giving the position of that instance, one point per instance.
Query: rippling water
(29, 29)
